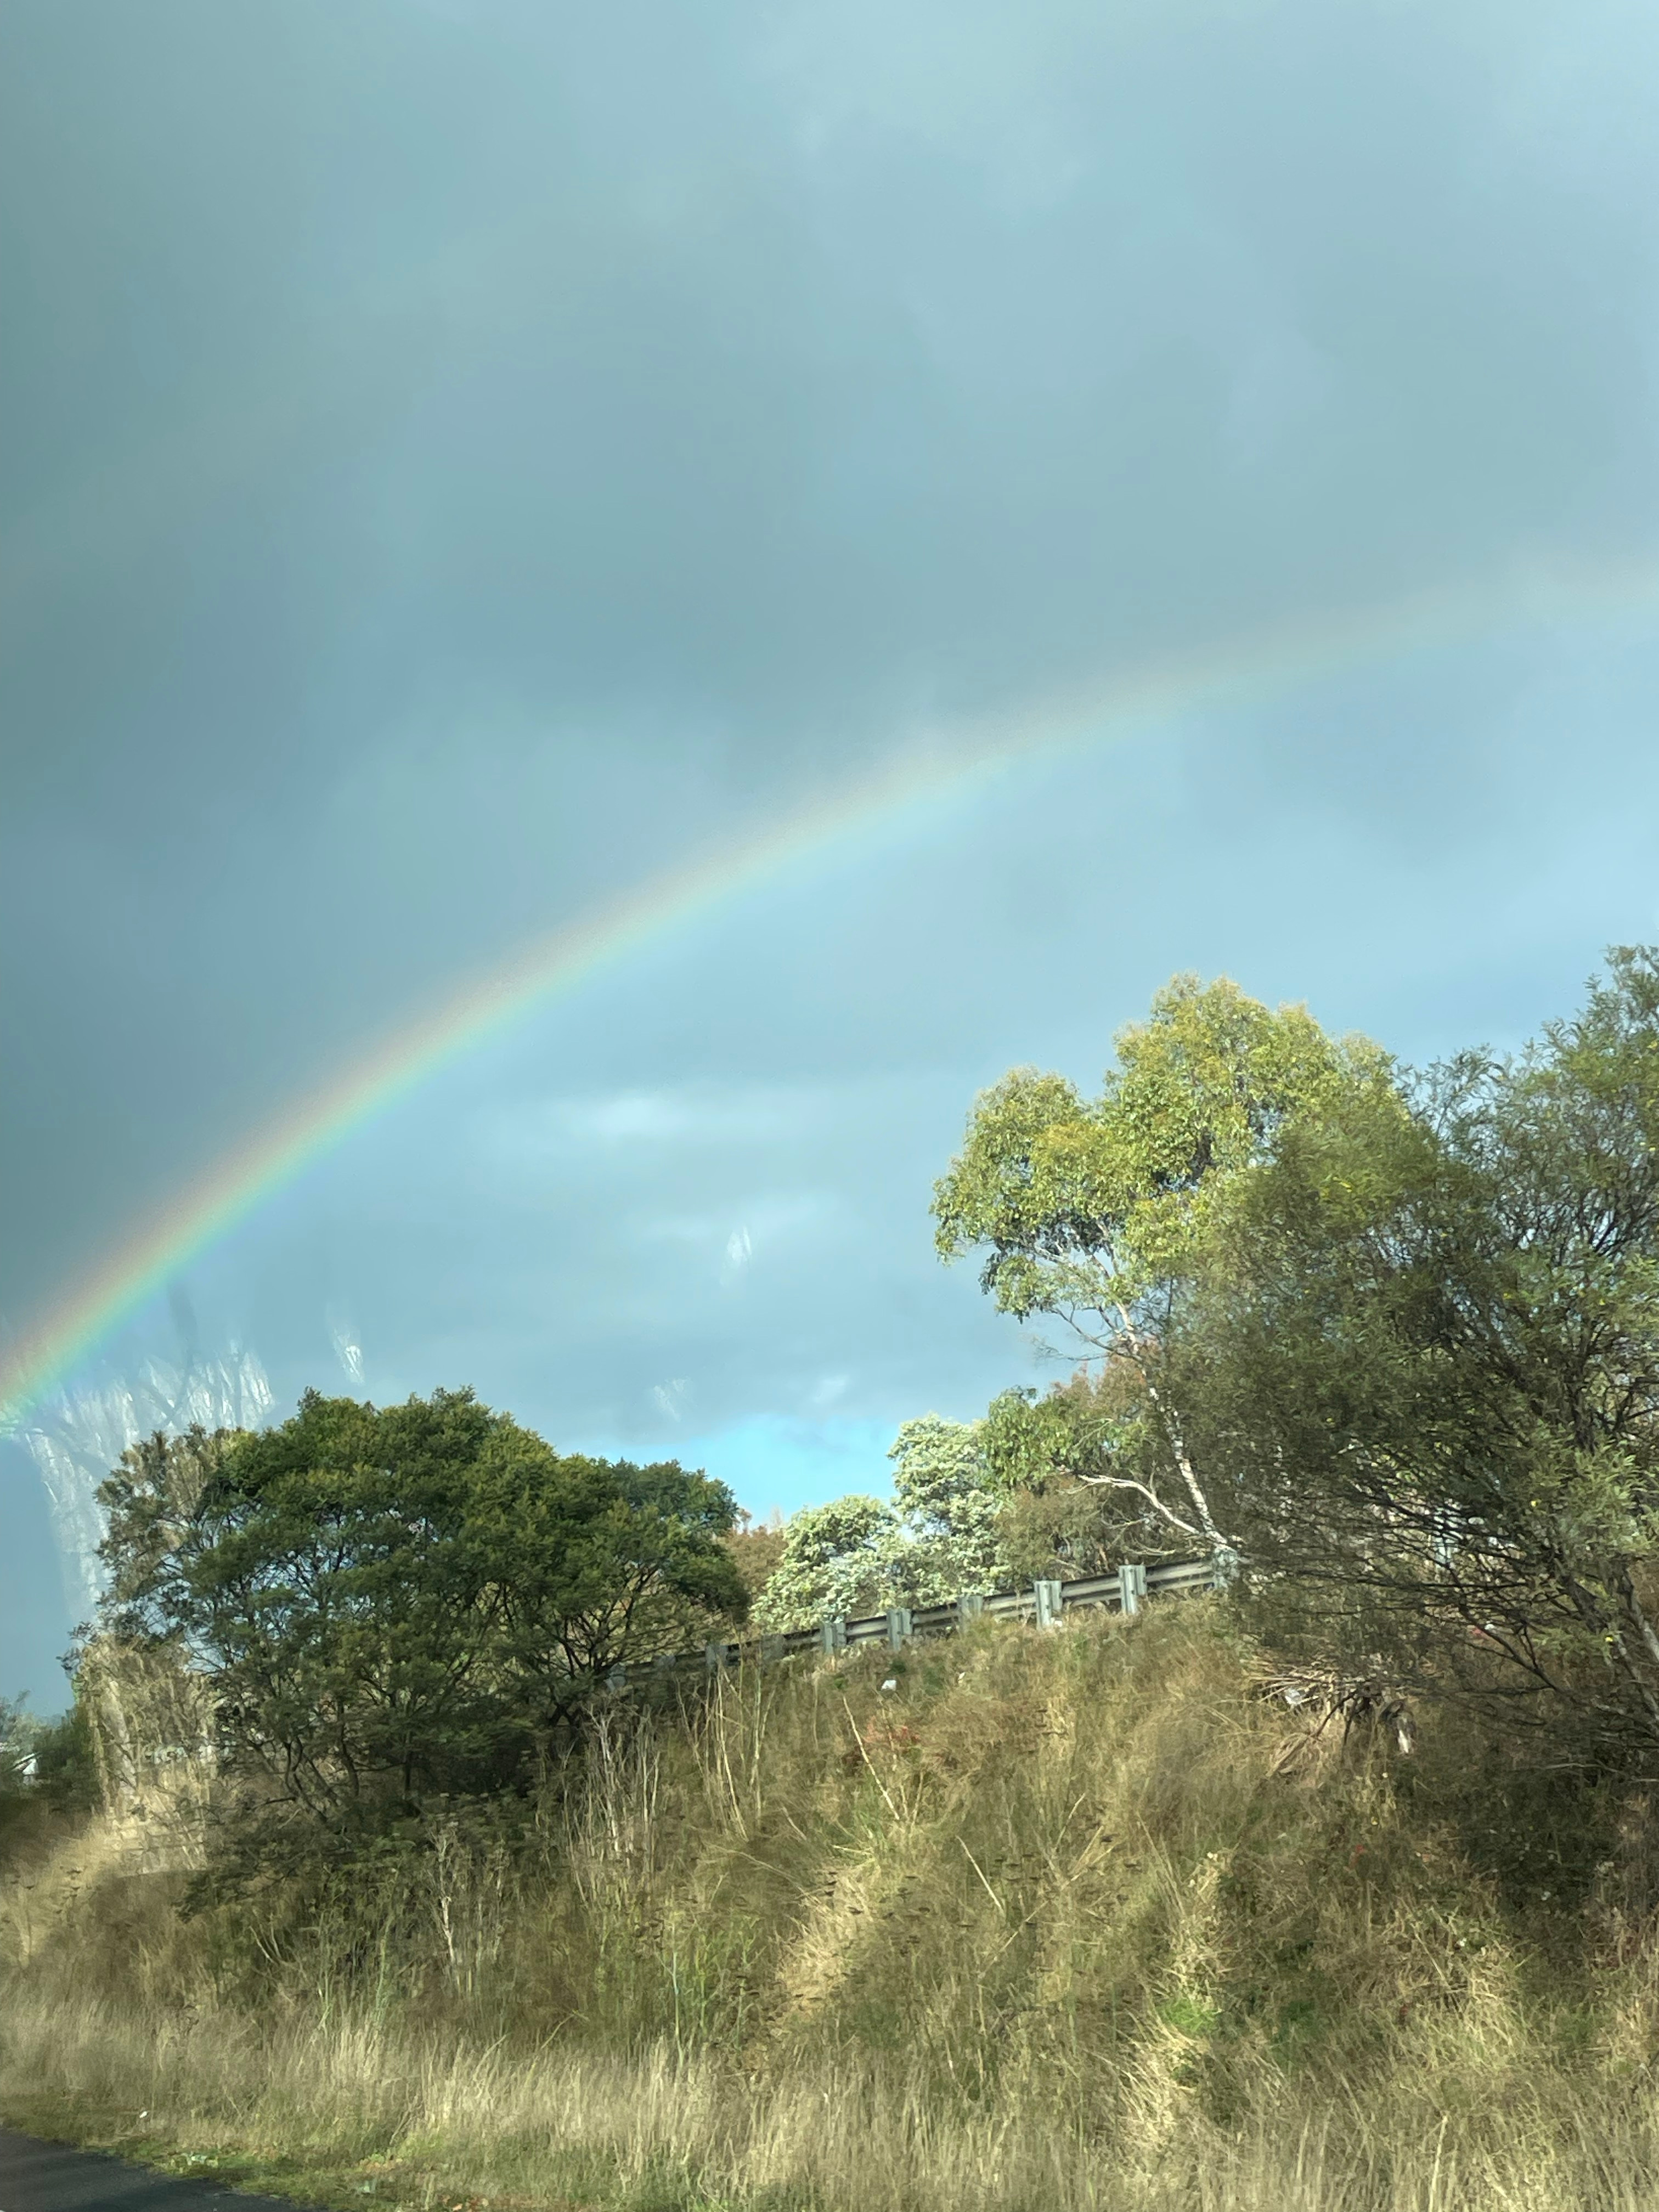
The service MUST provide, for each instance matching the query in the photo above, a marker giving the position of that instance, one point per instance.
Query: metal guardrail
(1044, 1604)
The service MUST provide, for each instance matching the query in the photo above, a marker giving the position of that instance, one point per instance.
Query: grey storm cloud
(463, 458)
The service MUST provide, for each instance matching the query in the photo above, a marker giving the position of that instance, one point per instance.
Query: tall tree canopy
(1095, 1212)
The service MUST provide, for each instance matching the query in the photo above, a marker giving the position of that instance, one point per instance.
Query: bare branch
(1124, 1482)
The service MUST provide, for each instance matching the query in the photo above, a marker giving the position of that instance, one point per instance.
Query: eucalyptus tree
(1095, 1213)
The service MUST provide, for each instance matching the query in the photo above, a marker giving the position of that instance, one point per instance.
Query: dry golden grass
(1074, 1920)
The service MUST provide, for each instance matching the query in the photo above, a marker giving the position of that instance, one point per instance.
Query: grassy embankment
(1080, 1920)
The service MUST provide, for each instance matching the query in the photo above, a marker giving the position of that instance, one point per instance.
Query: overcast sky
(462, 458)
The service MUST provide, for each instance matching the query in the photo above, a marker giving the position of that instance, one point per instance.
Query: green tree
(1058, 1461)
(949, 1513)
(149, 1502)
(837, 1559)
(1095, 1212)
(941, 1535)
(1434, 1348)
(393, 1601)
(602, 1563)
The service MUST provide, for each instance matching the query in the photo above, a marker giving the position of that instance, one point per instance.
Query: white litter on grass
(891, 1683)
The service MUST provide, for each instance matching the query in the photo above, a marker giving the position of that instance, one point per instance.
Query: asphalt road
(45, 2177)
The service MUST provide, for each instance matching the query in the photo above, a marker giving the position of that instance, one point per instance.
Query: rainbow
(920, 776)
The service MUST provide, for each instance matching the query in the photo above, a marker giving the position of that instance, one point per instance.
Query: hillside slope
(1083, 1919)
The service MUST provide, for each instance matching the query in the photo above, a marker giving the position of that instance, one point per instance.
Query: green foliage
(757, 1547)
(1092, 1209)
(1078, 1469)
(837, 1559)
(1433, 1347)
(390, 1602)
(45, 1766)
(1058, 1532)
(1032, 1442)
(1401, 1343)
(1044, 1456)
(941, 1535)
(948, 1511)
(1095, 1212)
(149, 1502)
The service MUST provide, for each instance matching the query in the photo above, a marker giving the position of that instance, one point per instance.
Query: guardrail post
(772, 1648)
(616, 1678)
(714, 1655)
(898, 1625)
(1131, 1586)
(832, 1635)
(1047, 1593)
(968, 1607)
(1226, 1566)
